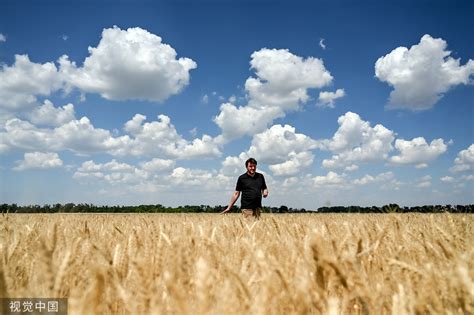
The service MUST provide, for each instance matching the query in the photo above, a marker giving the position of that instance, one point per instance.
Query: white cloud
(321, 44)
(190, 177)
(156, 139)
(160, 138)
(21, 83)
(158, 165)
(4, 143)
(288, 152)
(129, 64)
(79, 136)
(447, 179)
(135, 125)
(38, 160)
(279, 68)
(47, 114)
(327, 99)
(467, 178)
(357, 141)
(3, 38)
(464, 160)
(126, 64)
(369, 179)
(205, 99)
(24, 135)
(422, 74)
(112, 172)
(276, 143)
(421, 165)
(193, 132)
(198, 180)
(281, 86)
(244, 120)
(417, 151)
(351, 168)
(424, 182)
(111, 166)
(296, 163)
(331, 180)
(233, 165)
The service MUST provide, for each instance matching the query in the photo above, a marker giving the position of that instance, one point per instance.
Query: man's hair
(251, 160)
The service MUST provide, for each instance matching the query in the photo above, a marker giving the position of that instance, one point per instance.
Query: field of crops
(214, 264)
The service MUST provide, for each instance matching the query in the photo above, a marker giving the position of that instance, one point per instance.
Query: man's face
(251, 168)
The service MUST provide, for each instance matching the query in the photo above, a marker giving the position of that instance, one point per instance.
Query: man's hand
(225, 211)
(234, 198)
(265, 193)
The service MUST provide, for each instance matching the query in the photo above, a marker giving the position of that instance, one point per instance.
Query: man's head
(251, 165)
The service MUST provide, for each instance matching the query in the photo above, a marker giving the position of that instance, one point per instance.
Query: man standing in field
(253, 186)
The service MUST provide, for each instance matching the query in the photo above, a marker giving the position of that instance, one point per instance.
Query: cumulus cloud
(447, 179)
(417, 151)
(130, 64)
(24, 135)
(190, 177)
(331, 180)
(280, 86)
(79, 136)
(21, 83)
(157, 165)
(356, 141)
(48, 114)
(199, 179)
(112, 172)
(351, 168)
(422, 74)
(156, 138)
(160, 138)
(369, 179)
(423, 182)
(288, 152)
(467, 178)
(276, 143)
(3, 38)
(38, 160)
(126, 64)
(294, 164)
(244, 120)
(327, 99)
(280, 68)
(233, 165)
(464, 161)
(150, 176)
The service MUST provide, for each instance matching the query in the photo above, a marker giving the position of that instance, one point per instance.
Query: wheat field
(214, 264)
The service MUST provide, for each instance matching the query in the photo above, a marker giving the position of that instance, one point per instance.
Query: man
(252, 186)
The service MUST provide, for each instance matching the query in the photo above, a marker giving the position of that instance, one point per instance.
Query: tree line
(158, 208)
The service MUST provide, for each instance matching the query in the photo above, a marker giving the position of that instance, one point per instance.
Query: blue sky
(341, 102)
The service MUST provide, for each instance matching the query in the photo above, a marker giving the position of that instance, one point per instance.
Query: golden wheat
(211, 264)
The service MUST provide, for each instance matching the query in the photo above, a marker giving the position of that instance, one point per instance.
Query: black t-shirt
(251, 188)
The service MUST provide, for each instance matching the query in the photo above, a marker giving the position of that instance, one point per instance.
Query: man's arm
(264, 188)
(234, 198)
